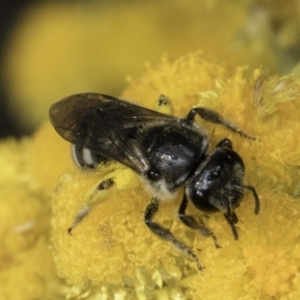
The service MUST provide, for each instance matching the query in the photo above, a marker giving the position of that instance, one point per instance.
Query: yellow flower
(112, 252)
(26, 266)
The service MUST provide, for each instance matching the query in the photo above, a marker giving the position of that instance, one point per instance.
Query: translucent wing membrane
(105, 125)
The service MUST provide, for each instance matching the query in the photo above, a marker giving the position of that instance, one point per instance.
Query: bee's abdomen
(85, 158)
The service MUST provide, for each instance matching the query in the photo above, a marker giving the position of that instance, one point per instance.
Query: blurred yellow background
(60, 48)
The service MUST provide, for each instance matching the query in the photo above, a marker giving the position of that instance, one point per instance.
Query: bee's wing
(105, 125)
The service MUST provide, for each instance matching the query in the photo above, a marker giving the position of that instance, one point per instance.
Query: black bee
(167, 151)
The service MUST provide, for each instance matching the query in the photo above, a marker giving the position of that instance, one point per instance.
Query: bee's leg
(214, 117)
(190, 222)
(164, 105)
(225, 143)
(93, 199)
(120, 178)
(256, 198)
(165, 234)
(232, 219)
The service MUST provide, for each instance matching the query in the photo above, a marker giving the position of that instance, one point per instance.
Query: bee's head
(218, 182)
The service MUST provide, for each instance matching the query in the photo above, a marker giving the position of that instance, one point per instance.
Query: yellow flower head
(26, 266)
(112, 252)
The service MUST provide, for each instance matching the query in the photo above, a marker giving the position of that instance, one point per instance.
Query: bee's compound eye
(153, 175)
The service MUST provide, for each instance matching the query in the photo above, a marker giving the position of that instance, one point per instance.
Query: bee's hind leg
(93, 199)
